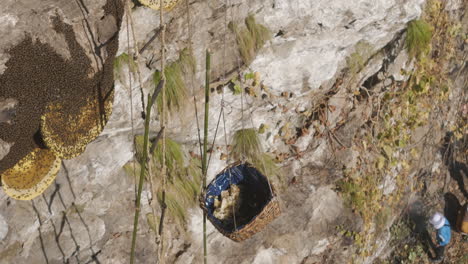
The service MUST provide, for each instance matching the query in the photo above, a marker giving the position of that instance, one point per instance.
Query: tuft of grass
(251, 38)
(175, 88)
(128, 168)
(259, 32)
(193, 171)
(188, 61)
(176, 91)
(353, 194)
(182, 191)
(174, 157)
(246, 144)
(120, 61)
(183, 187)
(418, 38)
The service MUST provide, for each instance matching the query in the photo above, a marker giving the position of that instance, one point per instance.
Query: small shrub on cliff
(183, 181)
(251, 38)
(120, 61)
(176, 91)
(246, 144)
(418, 38)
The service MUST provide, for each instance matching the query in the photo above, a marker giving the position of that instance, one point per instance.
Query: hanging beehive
(67, 135)
(240, 202)
(31, 175)
(155, 4)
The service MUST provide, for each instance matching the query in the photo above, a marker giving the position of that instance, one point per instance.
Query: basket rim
(202, 194)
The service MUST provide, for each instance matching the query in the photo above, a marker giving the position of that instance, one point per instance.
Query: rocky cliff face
(326, 89)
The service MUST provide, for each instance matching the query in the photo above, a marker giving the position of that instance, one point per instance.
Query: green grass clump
(182, 191)
(246, 144)
(120, 61)
(418, 38)
(353, 194)
(176, 91)
(188, 61)
(260, 33)
(128, 168)
(184, 181)
(251, 38)
(174, 157)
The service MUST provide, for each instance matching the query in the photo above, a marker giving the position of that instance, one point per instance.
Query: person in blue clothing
(442, 225)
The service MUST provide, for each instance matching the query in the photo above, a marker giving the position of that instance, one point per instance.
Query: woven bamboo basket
(269, 211)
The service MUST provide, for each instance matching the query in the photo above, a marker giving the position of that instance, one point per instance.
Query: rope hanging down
(228, 159)
(131, 92)
(163, 125)
(239, 174)
(243, 158)
(151, 100)
(270, 209)
(192, 79)
(135, 57)
(221, 115)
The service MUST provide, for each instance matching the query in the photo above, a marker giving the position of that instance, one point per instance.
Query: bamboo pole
(142, 176)
(205, 144)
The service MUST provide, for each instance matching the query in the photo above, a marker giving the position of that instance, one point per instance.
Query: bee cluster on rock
(63, 105)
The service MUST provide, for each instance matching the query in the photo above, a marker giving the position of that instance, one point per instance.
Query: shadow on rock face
(417, 215)
(458, 170)
(452, 205)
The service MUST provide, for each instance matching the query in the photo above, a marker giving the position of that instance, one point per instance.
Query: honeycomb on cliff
(68, 134)
(62, 105)
(155, 4)
(31, 175)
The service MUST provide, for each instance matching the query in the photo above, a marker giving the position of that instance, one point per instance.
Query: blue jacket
(444, 234)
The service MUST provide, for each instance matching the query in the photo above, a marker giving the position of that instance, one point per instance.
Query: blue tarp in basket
(256, 194)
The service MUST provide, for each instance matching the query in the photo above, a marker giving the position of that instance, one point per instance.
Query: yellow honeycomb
(32, 175)
(154, 4)
(67, 135)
